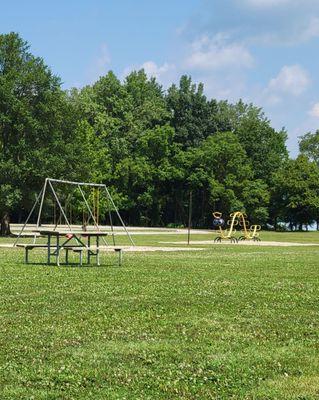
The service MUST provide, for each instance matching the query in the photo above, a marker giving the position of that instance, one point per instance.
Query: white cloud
(301, 31)
(301, 4)
(230, 86)
(214, 53)
(165, 73)
(262, 22)
(311, 30)
(272, 99)
(268, 3)
(292, 79)
(314, 112)
(153, 70)
(101, 64)
(104, 58)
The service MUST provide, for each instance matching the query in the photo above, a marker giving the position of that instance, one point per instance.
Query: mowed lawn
(228, 322)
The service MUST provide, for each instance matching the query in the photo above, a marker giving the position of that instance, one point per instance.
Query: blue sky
(263, 51)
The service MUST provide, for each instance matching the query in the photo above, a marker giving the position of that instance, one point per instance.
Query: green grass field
(228, 322)
(154, 239)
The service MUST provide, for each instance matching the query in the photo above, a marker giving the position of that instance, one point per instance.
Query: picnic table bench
(54, 249)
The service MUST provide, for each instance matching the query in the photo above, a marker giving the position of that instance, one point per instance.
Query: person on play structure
(218, 220)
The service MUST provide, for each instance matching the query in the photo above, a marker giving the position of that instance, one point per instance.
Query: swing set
(89, 199)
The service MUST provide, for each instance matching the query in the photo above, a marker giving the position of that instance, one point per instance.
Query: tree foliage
(38, 129)
(309, 146)
(149, 146)
(296, 192)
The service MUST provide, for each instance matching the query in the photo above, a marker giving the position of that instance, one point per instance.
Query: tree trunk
(5, 225)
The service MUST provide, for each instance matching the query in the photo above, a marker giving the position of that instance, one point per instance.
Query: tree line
(150, 146)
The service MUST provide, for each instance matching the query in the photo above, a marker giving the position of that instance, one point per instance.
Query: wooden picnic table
(83, 242)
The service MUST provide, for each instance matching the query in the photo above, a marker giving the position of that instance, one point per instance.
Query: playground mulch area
(227, 322)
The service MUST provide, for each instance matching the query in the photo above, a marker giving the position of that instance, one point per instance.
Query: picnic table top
(76, 233)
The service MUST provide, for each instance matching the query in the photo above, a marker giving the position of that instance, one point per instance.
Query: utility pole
(189, 216)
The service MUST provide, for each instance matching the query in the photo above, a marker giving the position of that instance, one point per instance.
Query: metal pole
(59, 204)
(118, 214)
(29, 216)
(42, 200)
(93, 202)
(98, 206)
(101, 185)
(111, 221)
(189, 216)
(54, 214)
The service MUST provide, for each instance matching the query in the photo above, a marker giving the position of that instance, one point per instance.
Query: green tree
(147, 101)
(296, 192)
(192, 114)
(150, 148)
(220, 175)
(129, 121)
(264, 146)
(37, 126)
(309, 146)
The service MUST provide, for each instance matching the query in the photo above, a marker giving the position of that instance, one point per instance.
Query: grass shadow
(69, 265)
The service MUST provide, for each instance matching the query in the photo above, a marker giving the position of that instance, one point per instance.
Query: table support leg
(89, 251)
(97, 251)
(49, 249)
(57, 251)
(120, 257)
(81, 258)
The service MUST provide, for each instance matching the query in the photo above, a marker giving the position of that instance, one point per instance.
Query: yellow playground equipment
(249, 232)
(236, 219)
(225, 234)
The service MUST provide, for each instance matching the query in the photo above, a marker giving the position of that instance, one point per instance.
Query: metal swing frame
(48, 185)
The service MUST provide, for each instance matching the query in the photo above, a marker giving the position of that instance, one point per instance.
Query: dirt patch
(247, 243)
(151, 248)
(131, 248)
